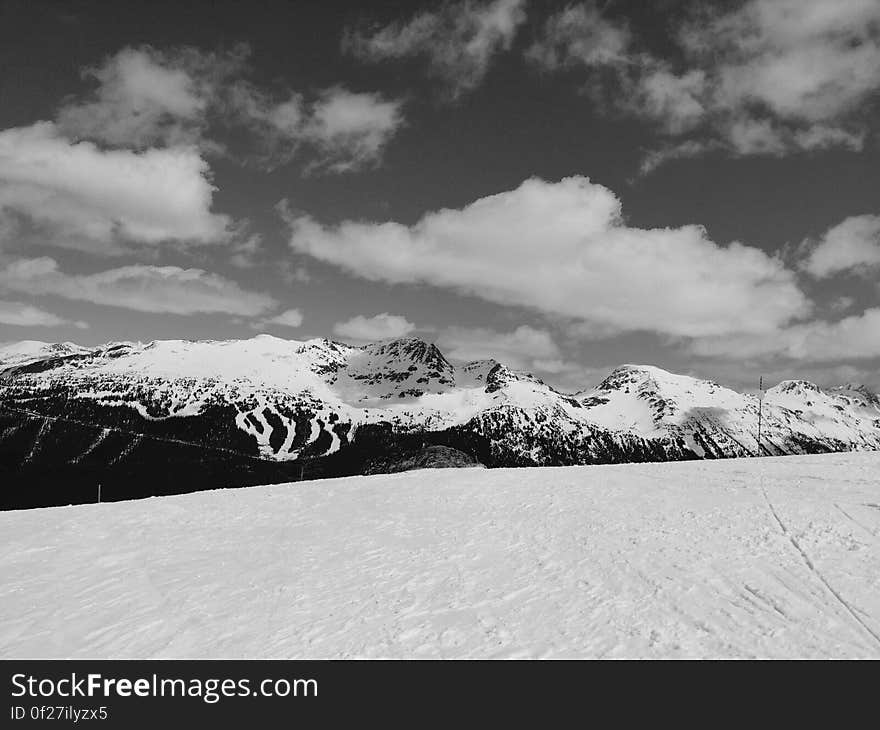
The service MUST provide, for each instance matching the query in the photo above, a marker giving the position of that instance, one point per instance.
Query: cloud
(288, 318)
(854, 337)
(525, 348)
(562, 248)
(78, 194)
(804, 60)
(580, 35)
(676, 101)
(383, 326)
(25, 315)
(293, 274)
(184, 97)
(841, 304)
(819, 137)
(458, 41)
(676, 151)
(161, 289)
(143, 97)
(744, 374)
(246, 250)
(351, 130)
(755, 137)
(763, 77)
(851, 246)
(519, 349)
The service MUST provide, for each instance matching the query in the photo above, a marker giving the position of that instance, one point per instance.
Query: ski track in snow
(773, 557)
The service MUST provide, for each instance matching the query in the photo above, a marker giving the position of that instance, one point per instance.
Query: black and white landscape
(451, 328)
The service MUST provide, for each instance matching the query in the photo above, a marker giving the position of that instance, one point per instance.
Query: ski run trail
(772, 557)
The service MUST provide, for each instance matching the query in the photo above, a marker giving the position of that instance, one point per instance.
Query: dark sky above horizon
(565, 186)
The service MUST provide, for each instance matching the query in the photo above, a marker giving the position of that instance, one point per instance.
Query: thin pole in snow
(760, 410)
(99, 492)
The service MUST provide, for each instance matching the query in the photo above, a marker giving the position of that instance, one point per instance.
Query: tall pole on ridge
(760, 410)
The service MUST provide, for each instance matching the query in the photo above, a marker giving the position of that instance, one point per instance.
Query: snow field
(774, 557)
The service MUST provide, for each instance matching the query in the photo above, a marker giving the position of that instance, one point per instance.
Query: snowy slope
(16, 353)
(774, 557)
(798, 417)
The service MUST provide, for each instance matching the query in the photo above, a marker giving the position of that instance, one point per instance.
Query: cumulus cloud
(383, 326)
(20, 314)
(78, 192)
(288, 318)
(563, 248)
(458, 41)
(161, 289)
(851, 246)
(763, 77)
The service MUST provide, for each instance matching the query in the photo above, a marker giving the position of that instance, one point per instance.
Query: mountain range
(142, 419)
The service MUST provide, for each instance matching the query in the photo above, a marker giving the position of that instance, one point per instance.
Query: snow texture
(775, 557)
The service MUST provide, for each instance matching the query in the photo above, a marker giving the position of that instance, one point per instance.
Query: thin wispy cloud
(20, 314)
(457, 42)
(143, 288)
(147, 97)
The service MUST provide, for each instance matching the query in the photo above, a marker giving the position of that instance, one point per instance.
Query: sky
(563, 186)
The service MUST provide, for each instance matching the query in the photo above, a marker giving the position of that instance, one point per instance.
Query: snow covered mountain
(188, 415)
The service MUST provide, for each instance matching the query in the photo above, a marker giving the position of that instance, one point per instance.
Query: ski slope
(774, 557)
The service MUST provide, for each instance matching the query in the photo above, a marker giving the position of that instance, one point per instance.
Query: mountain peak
(630, 374)
(413, 348)
(795, 387)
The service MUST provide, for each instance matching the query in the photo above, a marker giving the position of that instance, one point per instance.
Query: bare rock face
(177, 415)
(430, 457)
